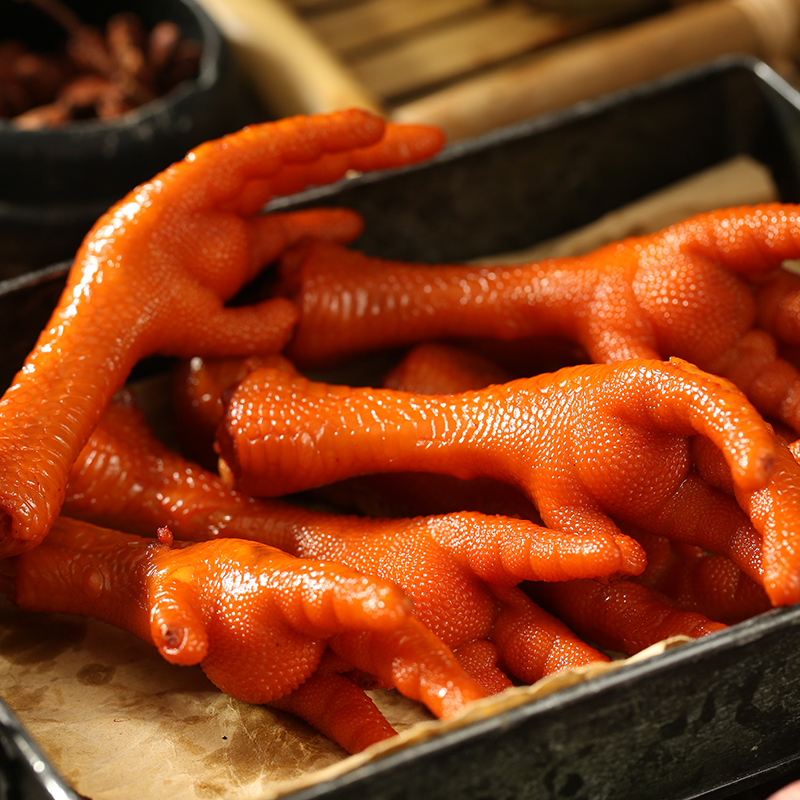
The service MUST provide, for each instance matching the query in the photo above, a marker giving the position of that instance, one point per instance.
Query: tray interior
(710, 715)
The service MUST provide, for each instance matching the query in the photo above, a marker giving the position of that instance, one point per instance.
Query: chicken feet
(258, 621)
(152, 276)
(697, 290)
(586, 444)
(458, 568)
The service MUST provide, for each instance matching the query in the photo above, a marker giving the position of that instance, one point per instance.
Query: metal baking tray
(718, 717)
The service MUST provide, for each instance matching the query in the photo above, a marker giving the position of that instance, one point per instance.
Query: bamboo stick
(480, 40)
(369, 23)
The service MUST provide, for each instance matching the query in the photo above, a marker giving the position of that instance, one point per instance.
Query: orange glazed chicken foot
(774, 510)
(257, 620)
(587, 444)
(690, 291)
(619, 616)
(126, 478)
(459, 568)
(153, 276)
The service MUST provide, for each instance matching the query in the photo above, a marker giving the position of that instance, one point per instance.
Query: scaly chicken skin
(458, 568)
(708, 290)
(257, 620)
(153, 275)
(584, 443)
(684, 590)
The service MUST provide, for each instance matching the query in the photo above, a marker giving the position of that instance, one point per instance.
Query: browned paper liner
(740, 180)
(120, 723)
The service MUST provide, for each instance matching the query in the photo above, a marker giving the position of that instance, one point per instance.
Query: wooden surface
(471, 66)
(403, 48)
(588, 67)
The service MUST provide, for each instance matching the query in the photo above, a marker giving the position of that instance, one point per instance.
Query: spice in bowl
(97, 74)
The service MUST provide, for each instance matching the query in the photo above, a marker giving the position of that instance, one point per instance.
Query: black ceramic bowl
(54, 183)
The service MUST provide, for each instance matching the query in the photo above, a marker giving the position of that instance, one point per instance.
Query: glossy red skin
(623, 617)
(198, 385)
(683, 591)
(228, 605)
(153, 276)
(433, 368)
(323, 536)
(693, 579)
(598, 441)
(257, 620)
(453, 566)
(708, 290)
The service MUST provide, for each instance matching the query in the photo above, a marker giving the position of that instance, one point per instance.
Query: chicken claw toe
(255, 618)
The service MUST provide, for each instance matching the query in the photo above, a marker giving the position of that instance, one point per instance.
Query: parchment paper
(120, 723)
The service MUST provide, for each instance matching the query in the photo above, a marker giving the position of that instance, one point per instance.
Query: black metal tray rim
(552, 120)
(627, 675)
(28, 760)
